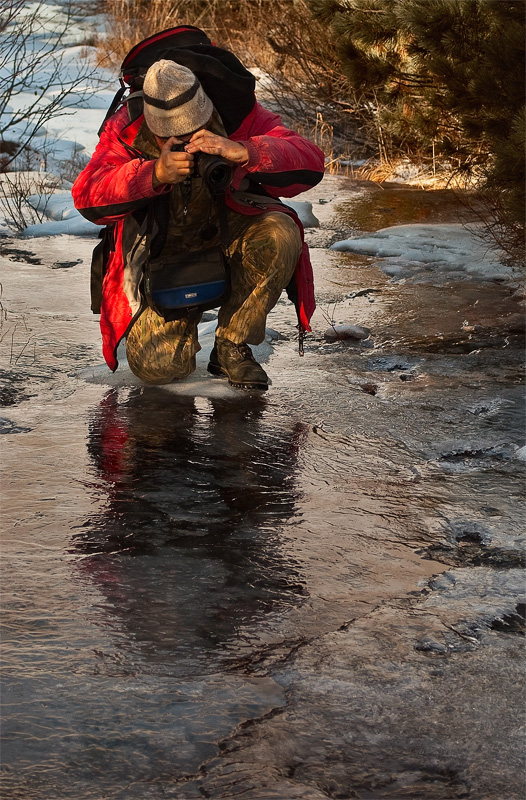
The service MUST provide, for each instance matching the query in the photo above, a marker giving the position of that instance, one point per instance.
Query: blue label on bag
(184, 296)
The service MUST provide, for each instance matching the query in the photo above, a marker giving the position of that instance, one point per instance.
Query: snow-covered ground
(420, 251)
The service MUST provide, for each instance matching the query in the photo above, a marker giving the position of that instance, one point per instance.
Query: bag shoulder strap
(222, 213)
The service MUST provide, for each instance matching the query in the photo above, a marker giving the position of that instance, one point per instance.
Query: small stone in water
(428, 645)
(65, 264)
(369, 388)
(339, 332)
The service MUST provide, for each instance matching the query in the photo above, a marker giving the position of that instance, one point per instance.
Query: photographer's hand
(207, 142)
(172, 167)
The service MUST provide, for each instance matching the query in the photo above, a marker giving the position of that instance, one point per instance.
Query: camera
(214, 170)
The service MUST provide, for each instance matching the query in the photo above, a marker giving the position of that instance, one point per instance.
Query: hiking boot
(238, 364)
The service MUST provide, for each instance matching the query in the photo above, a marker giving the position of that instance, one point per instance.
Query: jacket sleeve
(114, 183)
(284, 162)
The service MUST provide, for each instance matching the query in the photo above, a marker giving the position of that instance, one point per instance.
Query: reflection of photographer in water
(212, 204)
(188, 547)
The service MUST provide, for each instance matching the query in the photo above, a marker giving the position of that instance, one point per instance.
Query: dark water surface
(315, 593)
(396, 204)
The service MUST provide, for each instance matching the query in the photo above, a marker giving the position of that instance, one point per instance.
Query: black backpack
(228, 84)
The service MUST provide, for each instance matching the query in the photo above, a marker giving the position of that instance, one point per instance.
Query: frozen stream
(312, 594)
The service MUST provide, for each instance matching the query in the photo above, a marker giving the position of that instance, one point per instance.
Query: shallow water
(380, 206)
(208, 593)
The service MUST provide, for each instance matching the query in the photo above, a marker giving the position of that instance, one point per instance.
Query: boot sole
(219, 372)
(215, 369)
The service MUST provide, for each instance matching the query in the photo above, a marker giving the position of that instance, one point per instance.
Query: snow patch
(73, 226)
(31, 181)
(62, 215)
(304, 211)
(443, 248)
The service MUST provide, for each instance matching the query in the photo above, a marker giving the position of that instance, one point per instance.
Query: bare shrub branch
(35, 72)
(16, 189)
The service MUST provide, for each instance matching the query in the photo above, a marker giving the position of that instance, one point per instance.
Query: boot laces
(244, 350)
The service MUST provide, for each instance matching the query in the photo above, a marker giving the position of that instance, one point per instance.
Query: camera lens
(220, 175)
(215, 171)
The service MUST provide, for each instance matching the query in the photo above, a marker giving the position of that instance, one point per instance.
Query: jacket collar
(145, 141)
(128, 133)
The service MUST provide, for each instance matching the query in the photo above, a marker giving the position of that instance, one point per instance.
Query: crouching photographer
(189, 189)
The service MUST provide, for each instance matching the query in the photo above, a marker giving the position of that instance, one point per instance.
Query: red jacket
(118, 181)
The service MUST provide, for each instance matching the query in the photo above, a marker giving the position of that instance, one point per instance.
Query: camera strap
(222, 214)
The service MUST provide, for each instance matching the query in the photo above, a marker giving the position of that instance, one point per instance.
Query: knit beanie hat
(174, 100)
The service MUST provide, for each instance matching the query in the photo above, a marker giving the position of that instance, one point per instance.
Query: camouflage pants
(263, 253)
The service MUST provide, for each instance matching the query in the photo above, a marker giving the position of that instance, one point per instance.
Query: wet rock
(490, 407)
(513, 324)
(11, 392)
(464, 453)
(395, 363)
(475, 600)
(11, 395)
(494, 542)
(364, 293)
(512, 623)
(369, 388)
(341, 332)
(65, 264)
(464, 638)
(8, 426)
(320, 237)
(470, 531)
(18, 254)
(427, 645)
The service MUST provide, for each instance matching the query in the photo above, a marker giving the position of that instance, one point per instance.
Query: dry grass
(414, 174)
(227, 22)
